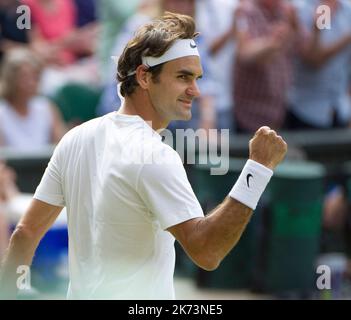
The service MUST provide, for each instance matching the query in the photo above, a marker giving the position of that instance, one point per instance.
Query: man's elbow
(208, 262)
(22, 234)
(210, 267)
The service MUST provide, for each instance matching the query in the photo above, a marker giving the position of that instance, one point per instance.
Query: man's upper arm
(182, 231)
(50, 189)
(166, 191)
(39, 217)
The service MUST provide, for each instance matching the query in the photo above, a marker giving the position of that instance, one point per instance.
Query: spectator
(55, 33)
(53, 21)
(27, 121)
(266, 32)
(319, 97)
(220, 41)
(112, 15)
(337, 225)
(86, 12)
(10, 35)
(87, 28)
(146, 10)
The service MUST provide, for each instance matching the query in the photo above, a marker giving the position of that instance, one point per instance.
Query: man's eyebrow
(188, 73)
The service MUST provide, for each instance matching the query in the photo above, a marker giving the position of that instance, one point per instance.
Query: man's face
(173, 93)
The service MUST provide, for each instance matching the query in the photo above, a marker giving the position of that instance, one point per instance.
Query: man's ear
(142, 76)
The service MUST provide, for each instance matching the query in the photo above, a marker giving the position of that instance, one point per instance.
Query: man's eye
(183, 77)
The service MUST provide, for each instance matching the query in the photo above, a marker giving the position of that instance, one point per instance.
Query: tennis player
(125, 209)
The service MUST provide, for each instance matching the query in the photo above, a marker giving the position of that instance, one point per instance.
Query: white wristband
(251, 183)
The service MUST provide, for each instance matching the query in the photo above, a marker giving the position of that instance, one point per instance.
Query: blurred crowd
(266, 62)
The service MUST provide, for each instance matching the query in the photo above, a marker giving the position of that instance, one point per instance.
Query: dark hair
(152, 39)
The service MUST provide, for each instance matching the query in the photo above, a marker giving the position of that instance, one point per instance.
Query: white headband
(180, 48)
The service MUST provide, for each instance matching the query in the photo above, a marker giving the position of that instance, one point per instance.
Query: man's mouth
(186, 102)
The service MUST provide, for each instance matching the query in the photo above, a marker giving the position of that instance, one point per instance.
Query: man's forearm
(24, 241)
(20, 252)
(207, 240)
(222, 228)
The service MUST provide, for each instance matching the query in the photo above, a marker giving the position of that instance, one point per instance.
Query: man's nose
(193, 90)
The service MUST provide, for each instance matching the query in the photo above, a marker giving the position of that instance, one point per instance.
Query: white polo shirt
(122, 187)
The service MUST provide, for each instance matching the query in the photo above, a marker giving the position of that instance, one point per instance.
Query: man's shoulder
(160, 154)
(90, 125)
(80, 132)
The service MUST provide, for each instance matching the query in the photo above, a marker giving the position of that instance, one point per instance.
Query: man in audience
(319, 97)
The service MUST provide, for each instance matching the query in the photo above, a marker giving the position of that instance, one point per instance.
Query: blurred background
(281, 63)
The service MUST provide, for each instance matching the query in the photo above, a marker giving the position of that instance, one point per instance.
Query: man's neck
(140, 104)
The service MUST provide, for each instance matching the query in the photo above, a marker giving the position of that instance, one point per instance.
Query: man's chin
(184, 116)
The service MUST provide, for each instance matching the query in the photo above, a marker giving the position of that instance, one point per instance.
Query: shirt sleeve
(50, 188)
(166, 191)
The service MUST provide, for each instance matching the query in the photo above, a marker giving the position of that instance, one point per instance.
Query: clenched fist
(267, 148)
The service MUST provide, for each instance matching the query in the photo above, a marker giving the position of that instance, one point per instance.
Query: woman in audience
(27, 121)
